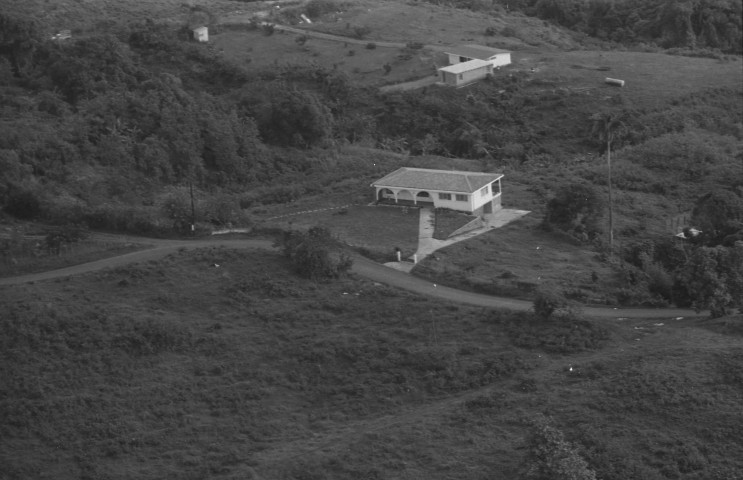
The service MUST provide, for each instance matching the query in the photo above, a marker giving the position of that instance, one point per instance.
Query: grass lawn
(398, 21)
(176, 369)
(378, 229)
(652, 79)
(364, 66)
(448, 222)
(516, 259)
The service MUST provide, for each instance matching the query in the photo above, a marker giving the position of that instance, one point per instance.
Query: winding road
(363, 267)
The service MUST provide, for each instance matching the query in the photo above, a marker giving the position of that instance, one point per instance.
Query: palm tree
(606, 127)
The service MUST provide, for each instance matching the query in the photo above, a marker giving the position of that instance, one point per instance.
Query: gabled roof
(480, 52)
(465, 66)
(437, 180)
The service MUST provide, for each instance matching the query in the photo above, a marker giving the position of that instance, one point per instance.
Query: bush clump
(315, 254)
(23, 204)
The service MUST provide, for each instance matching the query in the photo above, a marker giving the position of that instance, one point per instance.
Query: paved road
(362, 267)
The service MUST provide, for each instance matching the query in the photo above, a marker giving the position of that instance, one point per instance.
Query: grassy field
(652, 79)
(377, 229)
(247, 371)
(514, 260)
(363, 64)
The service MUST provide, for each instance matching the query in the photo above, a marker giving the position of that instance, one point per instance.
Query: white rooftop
(465, 66)
(475, 51)
(440, 180)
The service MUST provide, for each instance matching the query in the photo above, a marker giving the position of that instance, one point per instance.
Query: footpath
(427, 244)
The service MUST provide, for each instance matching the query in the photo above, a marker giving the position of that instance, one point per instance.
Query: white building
(201, 34)
(471, 192)
(465, 72)
(466, 53)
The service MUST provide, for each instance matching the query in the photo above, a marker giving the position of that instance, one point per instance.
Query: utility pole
(611, 194)
(605, 126)
(193, 209)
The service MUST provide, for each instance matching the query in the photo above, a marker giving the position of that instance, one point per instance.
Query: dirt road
(362, 267)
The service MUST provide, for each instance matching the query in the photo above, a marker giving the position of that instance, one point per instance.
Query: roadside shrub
(316, 8)
(315, 254)
(176, 207)
(121, 218)
(552, 457)
(224, 210)
(57, 236)
(23, 204)
(371, 46)
(361, 31)
(557, 337)
(547, 301)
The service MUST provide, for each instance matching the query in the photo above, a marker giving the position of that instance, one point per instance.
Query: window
(484, 192)
(461, 77)
(444, 196)
(462, 198)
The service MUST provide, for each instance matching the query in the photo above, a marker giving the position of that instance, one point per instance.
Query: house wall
(474, 202)
(449, 78)
(452, 204)
(500, 59)
(474, 75)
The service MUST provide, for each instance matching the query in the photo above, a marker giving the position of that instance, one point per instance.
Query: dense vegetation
(685, 24)
(112, 130)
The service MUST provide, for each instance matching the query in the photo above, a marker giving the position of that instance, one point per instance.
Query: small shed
(472, 192)
(465, 73)
(201, 34)
(465, 53)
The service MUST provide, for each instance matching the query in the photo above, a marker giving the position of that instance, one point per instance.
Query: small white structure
(201, 34)
(466, 53)
(614, 81)
(471, 192)
(465, 73)
(62, 35)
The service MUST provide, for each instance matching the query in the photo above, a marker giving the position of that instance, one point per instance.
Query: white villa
(471, 192)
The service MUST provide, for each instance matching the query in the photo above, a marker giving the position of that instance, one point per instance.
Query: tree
(606, 127)
(294, 117)
(547, 301)
(575, 208)
(18, 40)
(712, 278)
(315, 253)
(718, 214)
(551, 457)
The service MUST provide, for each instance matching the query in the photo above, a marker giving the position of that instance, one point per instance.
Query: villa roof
(437, 180)
(465, 66)
(480, 52)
